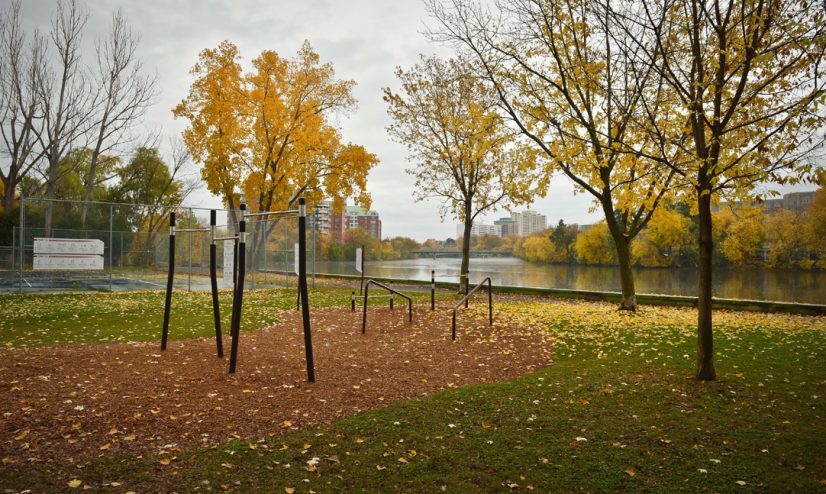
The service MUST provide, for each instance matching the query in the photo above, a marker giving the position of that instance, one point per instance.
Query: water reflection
(744, 283)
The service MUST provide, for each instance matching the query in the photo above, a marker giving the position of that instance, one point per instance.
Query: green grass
(72, 318)
(616, 412)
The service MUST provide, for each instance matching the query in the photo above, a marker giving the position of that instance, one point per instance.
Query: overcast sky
(364, 39)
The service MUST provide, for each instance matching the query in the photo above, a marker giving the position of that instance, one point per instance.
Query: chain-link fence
(135, 251)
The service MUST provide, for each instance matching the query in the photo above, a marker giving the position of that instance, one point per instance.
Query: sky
(364, 39)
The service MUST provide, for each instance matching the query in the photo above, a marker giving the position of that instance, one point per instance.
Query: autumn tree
(664, 240)
(738, 232)
(785, 233)
(595, 246)
(748, 77)
(464, 152)
(568, 78)
(269, 134)
(816, 227)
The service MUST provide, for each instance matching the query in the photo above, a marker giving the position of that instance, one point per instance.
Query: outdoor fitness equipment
(301, 213)
(392, 291)
(465, 302)
(239, 273)
(216, 311)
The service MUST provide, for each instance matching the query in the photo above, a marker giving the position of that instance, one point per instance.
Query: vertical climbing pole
(235, 319)
(213, 278)
(302, 286)
(169, 279)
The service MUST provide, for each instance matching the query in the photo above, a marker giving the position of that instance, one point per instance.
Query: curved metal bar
(465, 299)
(367, 298)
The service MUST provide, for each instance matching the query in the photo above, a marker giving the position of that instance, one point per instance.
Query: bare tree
(21, 124)
(124, 94)
(65, 96)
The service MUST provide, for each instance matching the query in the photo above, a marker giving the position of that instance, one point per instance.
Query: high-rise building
(369, 221)
(528, 222)
(507, 226)
(478, 229)
(329, 222)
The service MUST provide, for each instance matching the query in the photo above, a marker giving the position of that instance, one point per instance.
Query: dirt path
(74, 402)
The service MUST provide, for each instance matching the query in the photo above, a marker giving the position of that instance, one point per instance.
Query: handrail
(465, 299)
(380, 285)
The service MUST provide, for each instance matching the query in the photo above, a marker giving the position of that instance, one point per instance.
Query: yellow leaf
(289, 490)
(380, 468)
(105, 446)
(75, 483)
(22, 435)
(359, 440)
(485, 424)
(165, 461)
(286, 424)
(630, 471)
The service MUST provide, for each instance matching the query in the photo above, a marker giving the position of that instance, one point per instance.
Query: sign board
(67, 254)
(67, 262)
(295, 259)
(229, 255)
(359, 261)
(68, 246)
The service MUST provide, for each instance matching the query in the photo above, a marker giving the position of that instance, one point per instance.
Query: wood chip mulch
(74, 402)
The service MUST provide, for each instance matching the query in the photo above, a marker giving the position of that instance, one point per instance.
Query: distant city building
(335, 224)
(368, 221)
(528, 222)
(479, 229)
(507, 226)
(798, 202)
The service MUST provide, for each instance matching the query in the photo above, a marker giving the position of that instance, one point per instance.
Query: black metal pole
(302, 286)
(432, 289)
(353, 301)
(453, 327)
(213, 278)
(364, 315)
(237, 299)
(169, 280)
(391, 301)
(490, 303)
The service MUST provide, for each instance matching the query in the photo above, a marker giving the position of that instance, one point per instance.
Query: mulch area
(75, 402)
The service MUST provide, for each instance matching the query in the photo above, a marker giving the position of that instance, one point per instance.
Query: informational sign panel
(229, 254)
(67, 262)
(358, 259)
(295, 259)
(67, 254)
(68, 246)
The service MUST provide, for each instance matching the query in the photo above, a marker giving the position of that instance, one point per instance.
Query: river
(741, 283)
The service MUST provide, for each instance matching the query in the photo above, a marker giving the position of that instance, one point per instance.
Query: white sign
(68, 246)
(67, 262)
(229, 254)
(295, 259)
(359, 261)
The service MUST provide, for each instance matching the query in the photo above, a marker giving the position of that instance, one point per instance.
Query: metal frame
(392, 291)
(465, 300)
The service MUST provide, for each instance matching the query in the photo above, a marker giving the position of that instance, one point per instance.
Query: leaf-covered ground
(616, 412)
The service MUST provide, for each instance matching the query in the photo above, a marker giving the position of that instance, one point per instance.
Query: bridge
(450, 253)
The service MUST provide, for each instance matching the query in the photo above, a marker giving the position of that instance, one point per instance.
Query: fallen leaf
(485, 424)
(75, 483)
(286, 424)
(740, 482)
(630, 471)
(289, 490)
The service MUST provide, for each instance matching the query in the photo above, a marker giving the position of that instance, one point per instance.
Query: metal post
(191, 225)
(353, 301)
(490, 303)
(235, 319)
(315, 226)
(121, 250)
(302, 286)
(22, 237)
(111, 247)
(432, 289)
(364, 315)
(255, 240)
(169, 279)
(391, 301)
(213, 278)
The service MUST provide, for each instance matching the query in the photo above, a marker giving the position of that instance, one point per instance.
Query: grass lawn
(617, 411)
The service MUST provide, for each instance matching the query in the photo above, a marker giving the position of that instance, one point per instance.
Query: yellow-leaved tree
(464, 153)
(568, 79)
(747, 76)
(268, 132)
(663, 242)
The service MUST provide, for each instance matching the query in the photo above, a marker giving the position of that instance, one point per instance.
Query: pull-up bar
(273, 213)
(464, 301)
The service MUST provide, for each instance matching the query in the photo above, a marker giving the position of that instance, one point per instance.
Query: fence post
(22, 238)
(189, 280)
(432, 289)
(315, 223)
(111, 247)
(120, 263)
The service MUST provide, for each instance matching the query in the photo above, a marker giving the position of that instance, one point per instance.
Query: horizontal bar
(225, 238)
(480, 285)
(190, 230)
(271, 213)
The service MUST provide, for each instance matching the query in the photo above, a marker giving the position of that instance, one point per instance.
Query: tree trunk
(463, 271)
(705, 342)
(50, 189)
(9, 185)
(629, 294)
